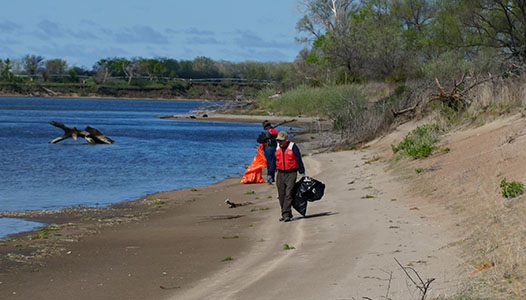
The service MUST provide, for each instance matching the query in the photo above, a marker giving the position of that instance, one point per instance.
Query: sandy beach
(189, 244)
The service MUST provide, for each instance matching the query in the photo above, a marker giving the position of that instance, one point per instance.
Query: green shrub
(419, 143)
(511, 189)
(288, 247)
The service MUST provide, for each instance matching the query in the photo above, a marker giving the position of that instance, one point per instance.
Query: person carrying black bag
(288, 164)
(268, 139)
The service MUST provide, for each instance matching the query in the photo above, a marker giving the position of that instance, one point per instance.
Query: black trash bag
(309, 189)
(300, 205)
(306, 189)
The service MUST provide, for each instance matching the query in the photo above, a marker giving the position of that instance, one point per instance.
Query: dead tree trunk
(90, 134)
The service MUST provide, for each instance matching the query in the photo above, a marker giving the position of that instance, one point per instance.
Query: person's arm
(262, 137)
(301, 167)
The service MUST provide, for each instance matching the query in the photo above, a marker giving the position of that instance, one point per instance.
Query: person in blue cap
(268, 139)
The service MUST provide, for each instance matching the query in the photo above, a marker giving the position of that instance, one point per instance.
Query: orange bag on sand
(253, 172)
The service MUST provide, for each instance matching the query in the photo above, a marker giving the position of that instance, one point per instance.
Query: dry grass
(500, 96)
(493, 228)
(375, 90)
(499, 244)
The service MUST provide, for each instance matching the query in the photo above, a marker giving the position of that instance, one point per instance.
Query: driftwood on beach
(90, 134)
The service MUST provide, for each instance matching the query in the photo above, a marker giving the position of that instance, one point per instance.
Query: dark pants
(285, 183)
(270, 155)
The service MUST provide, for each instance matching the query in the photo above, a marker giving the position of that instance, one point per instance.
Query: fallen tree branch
(49, 91)
(405, 110)
(283, 122)
(90, 134)
(422, 286)
(454, 99)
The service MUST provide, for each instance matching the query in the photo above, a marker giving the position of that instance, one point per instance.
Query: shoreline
(78, 229)
(109, 98)
(80, 222)
(189, 244)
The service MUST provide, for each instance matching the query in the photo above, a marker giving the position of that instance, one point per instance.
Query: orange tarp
(253, 172)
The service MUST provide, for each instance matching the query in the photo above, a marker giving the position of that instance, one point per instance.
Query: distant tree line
(346, 41)
(35, 67)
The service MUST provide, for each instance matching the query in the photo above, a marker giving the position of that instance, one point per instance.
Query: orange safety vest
(290, 162)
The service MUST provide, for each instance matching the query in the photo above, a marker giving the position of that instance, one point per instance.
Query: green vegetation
(288, 247)
(44, 232)
(419, 143)
(511, 189)
(231, 237)
(228, 258)
(159, 203)
(259, 209)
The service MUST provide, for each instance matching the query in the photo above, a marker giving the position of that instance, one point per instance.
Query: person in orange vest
(288, 164)
(268, 139)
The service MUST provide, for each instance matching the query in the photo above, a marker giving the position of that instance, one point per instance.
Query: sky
(83, 32)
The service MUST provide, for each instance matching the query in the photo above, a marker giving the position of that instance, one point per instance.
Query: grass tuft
(419, 143)
(511, 189)
(288, 247)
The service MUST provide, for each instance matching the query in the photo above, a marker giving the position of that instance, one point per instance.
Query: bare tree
(55, 68)
(500, 24)
(33, 65)
(322, 16)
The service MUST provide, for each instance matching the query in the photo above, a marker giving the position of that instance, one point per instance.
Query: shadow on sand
(323, 214)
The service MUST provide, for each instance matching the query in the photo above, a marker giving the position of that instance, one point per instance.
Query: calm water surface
(149, 154)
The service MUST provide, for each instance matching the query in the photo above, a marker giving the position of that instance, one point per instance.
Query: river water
(149, 154)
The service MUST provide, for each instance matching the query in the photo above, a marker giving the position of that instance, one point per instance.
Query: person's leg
(280, 185)
(288, 181)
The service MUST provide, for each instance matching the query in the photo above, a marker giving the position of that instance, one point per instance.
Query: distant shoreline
(108, 98)
(196, 91)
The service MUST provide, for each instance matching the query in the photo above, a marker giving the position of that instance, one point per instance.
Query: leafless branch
(421, 285)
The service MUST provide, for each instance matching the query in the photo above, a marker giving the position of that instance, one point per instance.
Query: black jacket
(267, 138)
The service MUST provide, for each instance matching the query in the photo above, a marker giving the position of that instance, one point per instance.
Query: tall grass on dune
(346, 106)
(311, 101)
(358, 112)
(486, 102)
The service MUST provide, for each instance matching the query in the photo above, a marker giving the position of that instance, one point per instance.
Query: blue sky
(82, 32)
